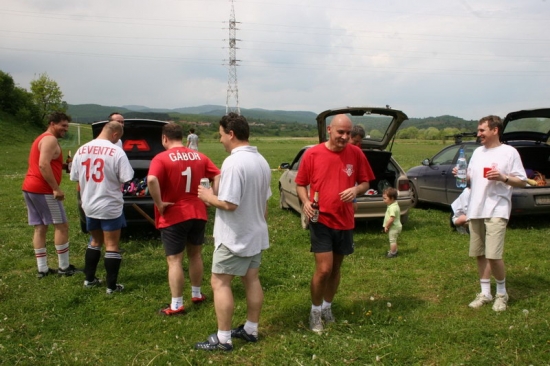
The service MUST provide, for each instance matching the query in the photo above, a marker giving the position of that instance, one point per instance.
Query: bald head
(338, 132)
(112, 131)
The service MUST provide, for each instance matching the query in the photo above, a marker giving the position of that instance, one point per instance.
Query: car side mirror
(284, 166)
(426, 162)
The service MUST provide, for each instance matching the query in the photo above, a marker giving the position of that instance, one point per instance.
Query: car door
(288, 185)
(436, 177)
(452, 190)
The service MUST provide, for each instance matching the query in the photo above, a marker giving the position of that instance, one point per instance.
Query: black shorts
(175, 237)
(325, 239)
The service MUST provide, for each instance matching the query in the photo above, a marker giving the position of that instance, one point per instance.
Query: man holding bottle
(493, 170)
(338, 172)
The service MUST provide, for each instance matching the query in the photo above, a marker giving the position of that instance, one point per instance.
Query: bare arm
(350, 194)
(48, 147)
(207, 196)
(154, 191)
(304, 198)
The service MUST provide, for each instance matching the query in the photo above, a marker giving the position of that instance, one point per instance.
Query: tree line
(31, 107)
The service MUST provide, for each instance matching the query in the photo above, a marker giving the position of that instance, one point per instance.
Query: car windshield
(533, 124)
(375, 125)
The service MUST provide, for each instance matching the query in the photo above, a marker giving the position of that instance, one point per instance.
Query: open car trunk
(141, 141)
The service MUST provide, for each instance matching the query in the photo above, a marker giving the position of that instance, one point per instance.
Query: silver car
(527, 131)
(382, 125)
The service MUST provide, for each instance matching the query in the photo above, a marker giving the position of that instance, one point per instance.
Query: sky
(427, 58)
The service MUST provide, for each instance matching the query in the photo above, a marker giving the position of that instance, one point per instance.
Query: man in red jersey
(339, 172)
(173, 180)
(43, 196)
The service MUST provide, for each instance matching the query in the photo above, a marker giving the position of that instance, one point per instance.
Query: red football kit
(329, 173)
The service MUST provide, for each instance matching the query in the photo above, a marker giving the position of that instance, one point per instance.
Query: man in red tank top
(43, 196)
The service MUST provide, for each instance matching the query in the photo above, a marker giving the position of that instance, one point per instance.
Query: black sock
(112, 265)
(91, 259)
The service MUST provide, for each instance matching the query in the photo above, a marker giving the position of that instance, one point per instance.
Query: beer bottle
(315, 206)
(68, 162)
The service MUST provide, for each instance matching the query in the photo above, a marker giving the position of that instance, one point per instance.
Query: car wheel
(414, 195)
(282, 200)
(304, 220)
(404, 218)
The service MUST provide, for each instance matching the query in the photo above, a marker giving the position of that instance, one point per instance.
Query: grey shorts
(43, 209)
(225, 262)
(394, 234)
(487, 237)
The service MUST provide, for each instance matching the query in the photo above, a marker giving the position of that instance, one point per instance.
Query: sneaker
(198, 300)
(480, 300)
(44, 274)
(239, 332)
(213, 344)
(315, 322)
(169, 312)
(501, 302)
(118, 288)
(69, 271)
(94, 283)
(326, 315)
(391, 255)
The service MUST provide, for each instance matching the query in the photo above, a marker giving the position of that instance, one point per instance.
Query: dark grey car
(141, 141)
(526, 130)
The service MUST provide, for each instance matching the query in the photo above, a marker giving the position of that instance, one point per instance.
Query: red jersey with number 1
(179, 171)
(329, 173)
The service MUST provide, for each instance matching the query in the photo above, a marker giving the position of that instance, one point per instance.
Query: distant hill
(87, 113)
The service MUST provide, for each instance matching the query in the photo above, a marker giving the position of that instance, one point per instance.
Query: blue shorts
(325, 239)
(105, 225)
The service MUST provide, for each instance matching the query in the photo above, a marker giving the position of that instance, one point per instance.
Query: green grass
(411, 310)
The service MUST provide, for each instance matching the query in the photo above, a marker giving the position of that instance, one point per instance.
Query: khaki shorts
(487, 237)
(225, 262)
(394, 234)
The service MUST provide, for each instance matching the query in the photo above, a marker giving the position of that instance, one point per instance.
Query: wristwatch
(506, 181)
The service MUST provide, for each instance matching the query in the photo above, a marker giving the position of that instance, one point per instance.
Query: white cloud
(425, 57)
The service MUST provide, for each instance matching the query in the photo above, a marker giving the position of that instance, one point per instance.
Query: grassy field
(408, 311)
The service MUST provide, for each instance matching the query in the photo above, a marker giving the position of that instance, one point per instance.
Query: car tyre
(414, 195)
(282, 201)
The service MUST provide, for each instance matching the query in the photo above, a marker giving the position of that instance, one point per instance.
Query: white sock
(251, 327)
(486, 287)
(63, 255)
(195, 291)
(326, 304)
(315, 307)
(41, 259)
(224, 336)
(501, 287)
(177, 302)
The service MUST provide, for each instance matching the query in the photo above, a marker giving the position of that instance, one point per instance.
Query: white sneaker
(480, 300)
(315, 322)
(501, 302)
(326, 315)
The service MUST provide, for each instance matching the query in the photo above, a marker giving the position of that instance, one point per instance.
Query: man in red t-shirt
(339, 172)
(173, 181)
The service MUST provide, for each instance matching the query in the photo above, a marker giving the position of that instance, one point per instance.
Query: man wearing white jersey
(100, 167)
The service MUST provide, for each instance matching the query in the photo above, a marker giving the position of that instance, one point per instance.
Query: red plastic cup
(486, 170)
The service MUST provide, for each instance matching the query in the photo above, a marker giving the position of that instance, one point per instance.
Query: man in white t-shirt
(492, 172)
(100, 167)
(240, 232)
(192, 140)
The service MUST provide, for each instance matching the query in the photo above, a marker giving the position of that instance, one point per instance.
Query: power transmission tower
(232, 88)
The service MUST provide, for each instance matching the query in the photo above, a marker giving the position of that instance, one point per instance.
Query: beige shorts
(487, 237)
(394, 234)
(225, 262)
